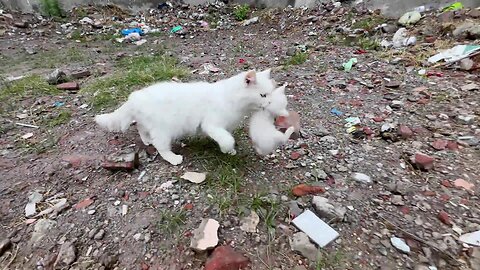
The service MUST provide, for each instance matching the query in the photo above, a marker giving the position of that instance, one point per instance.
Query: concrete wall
(393, 8)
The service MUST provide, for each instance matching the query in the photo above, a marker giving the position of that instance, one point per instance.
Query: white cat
(168, 110)
(265, 137)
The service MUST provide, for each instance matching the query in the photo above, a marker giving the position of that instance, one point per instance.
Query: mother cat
(169, 110)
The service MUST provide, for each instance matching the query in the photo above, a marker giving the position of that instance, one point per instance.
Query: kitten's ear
(266, 72)
(281, 89)
(250, 77)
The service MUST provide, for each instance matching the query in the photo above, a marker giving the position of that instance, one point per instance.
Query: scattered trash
(400, 244)
(362, 178)
(132, 37)
(31, 207)
(249, 223)
(127, 32)
(27, 136)
(205, 236)
(304, 189)
(453, 7)
(319, 231)
(352, 123)
(176, 29)
(124, 210)
(59, 205)
(470, 87)
(455, 54)
(250, 21)
(472, 238)
(336, 112)
(86, 20)
(409, 18)
(58, 104)
(209, 68)
(400, 39)
(242, 61)
(194, 177)
(348, 65)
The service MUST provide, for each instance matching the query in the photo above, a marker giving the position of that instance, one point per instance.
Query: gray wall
(393, 8)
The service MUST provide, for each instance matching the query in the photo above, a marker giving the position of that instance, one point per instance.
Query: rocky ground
(388, 152)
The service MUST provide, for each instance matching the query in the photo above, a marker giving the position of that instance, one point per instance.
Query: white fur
(167, 111)
(265, 137)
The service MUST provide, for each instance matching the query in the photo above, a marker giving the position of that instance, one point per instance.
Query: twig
(26, 125)
(13, 258)
(416, 238)
(262, 261)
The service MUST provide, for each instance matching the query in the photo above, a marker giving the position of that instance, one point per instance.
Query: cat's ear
(250, 77)
(266, 73)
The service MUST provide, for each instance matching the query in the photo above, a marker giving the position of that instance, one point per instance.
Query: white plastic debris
(27, 135)
(400, 39)
(86, 20)
(454, 54)
(320, 232)
(194, 177)
(31, 207)
(124, 210)
(250, 21)
(472, 238)
(400, 244)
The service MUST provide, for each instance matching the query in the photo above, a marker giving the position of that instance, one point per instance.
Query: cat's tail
(119, 120)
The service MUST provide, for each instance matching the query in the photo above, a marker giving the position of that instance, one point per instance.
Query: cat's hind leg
(224, 139)
(162, 142)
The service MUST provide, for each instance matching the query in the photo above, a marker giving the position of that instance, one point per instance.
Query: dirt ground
(134, 220)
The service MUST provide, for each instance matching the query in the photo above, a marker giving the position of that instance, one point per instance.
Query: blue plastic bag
(127, 32)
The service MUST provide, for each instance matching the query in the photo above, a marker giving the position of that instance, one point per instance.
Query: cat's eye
(263, 95)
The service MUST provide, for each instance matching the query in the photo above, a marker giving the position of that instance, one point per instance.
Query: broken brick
(439, 144)
(444, 218)
(69, 86)
(423, 161)
(295, 155)
(303, 189)
(225, 258)
(405, 132)
(84, 203)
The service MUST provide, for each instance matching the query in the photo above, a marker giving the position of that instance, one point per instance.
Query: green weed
(240, 12)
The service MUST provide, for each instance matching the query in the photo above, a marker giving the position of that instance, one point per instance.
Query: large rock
(41, 229)
(66, 255)
(301, 243)
(205, 236)
(328, 210)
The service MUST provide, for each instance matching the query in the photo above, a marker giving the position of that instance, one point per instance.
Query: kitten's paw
(232, 152)
(172, 158)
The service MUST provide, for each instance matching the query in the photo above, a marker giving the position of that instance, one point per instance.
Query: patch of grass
(225, 172)
(59, 119)
(368, 23)
(268, 210)
(133, 72)
(28, 87)
(51, 8)
(367, 43)
(77, 35)
(240, 12)
(171, 220)
(48, 143)
(333, 261)
(297, 59)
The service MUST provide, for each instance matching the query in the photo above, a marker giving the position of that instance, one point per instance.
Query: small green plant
(172, 220)
(333, 261)
(368, 23)
(62, 118)
(297, 59)
(268, 210)
(241, 12)
(51, 8)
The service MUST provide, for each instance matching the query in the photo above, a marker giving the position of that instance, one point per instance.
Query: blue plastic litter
(336, 112)
(58, 104)
(127, 32)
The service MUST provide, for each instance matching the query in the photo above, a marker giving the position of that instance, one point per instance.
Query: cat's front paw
(232, 152)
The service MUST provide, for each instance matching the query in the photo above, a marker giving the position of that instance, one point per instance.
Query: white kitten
(168, 110)
(265, 137)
